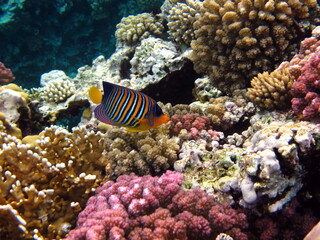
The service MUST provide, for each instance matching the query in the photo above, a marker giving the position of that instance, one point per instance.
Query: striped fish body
(121, 106)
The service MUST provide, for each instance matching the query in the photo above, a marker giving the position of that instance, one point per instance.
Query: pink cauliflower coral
(306, 90)
(152, 208)
(6, 76)
(192, 123)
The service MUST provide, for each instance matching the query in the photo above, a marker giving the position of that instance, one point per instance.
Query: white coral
(57, 90)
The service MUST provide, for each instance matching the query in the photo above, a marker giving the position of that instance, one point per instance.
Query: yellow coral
(235, 40)
(133, 29)
(271, 90)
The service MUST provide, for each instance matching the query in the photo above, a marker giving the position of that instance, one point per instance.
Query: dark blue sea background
(39, 36)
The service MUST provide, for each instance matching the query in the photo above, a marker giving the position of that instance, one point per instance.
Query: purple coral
(306, 90)
(155, 208)
(6, 76)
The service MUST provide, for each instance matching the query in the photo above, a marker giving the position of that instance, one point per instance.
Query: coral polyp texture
(155, 208)
(307, 48)
(306, 90)
(222, 112)
(6, 75)
(142, 153)
(133, 29)
(180, 21)
(236, 40)
(46, 179)
(271, 91)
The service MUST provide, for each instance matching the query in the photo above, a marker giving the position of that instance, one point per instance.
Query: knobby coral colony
(221, 168)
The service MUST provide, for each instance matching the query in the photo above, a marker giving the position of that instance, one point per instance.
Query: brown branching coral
(271, 91)
(147, 152)
(222, 112)
(180, 21)
(307, 48)
(236, 40)
(45, 180)
(133, 29)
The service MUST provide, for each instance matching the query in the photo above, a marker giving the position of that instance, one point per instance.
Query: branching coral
(194, 126)
(142, 153)
(133, 29)
(180, 21)
(46, 179)
(236, 40)
(57, 91)
(271, 91)
(155, 208)
(223, 112)
(307, 48)
(306, 90)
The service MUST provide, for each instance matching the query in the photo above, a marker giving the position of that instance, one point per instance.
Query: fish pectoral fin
(95, 95)
(144, 122)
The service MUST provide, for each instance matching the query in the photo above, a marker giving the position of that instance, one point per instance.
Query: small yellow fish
(121, 106)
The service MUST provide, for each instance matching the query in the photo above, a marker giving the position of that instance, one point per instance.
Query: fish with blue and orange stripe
(121, 106)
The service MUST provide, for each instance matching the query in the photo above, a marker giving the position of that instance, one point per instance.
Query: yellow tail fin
(95, 95)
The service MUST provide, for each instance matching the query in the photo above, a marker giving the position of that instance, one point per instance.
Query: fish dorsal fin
(95, 95)
(108, 88)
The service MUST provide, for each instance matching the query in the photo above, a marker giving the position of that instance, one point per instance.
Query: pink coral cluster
(307, 48)
(291, 223)
(6, 76)
(192, 123)
(151, 208)
(306, 90)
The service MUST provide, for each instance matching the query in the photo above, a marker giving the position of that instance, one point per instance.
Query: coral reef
(266, 163)
(292, 222)
(223, 112)
(149, 63)
(58, 95)
(271, 91)
(152, 61)
(155, 208)
(306, 90)
(133, 29)
(191, 125)
(6, 75)
(57, 91)
(204, 91)
(236, 40)
(180, 21)
(46, 179)
(142, 153)
(14, 103)
(240, 172)
(273, 162)
(307, 48)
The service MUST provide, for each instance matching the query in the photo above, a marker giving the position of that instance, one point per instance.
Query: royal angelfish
(121, 106)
